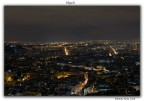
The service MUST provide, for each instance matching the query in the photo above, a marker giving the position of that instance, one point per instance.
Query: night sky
(71, 23)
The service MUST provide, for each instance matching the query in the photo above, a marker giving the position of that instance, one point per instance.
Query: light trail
(64, 74)
(66, 51)
(115, 52)
(78, 88)
(80, 66)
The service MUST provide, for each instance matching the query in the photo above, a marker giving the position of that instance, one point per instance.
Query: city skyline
(71, 23)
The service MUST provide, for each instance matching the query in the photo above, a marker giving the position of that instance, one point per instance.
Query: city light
(66, 51)
(115, 52)
(9, 79)
(67, 69)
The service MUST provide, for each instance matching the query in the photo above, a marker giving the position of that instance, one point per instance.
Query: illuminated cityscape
(72, 51)
(86, 68)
